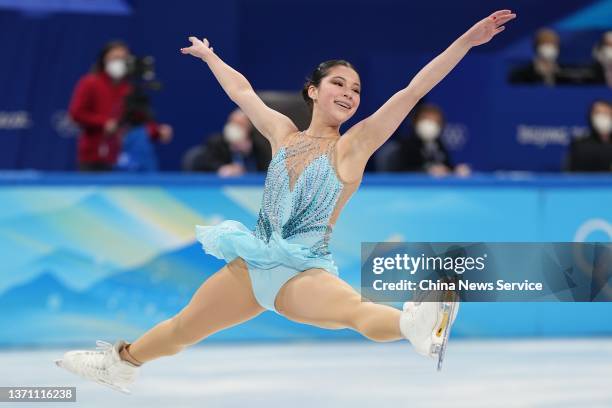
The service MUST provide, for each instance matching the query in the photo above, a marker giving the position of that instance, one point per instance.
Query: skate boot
(102, 365)
(427, 326)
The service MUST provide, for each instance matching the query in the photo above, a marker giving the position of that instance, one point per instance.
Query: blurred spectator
(139, 132)
(593, 151)
(601, 70)
(98, 106)
(544, 68)
(422, 150)
(230, 153)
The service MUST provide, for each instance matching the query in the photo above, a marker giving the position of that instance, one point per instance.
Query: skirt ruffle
(231, 239)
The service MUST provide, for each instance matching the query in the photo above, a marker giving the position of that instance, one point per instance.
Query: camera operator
(98, 106)
(138, 126)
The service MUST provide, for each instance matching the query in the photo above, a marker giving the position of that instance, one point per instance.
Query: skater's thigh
(319, 298)
(223, 300)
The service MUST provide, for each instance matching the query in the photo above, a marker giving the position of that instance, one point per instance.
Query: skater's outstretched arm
(272, 124)
(367, 136)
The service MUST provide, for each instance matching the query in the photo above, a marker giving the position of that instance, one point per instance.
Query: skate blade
(444, 332)
(115, 387)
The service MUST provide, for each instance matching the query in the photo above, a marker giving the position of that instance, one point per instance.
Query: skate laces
(103, 345)
(92, 363)
(100, 364)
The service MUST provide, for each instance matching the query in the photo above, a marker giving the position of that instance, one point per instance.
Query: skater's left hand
(199, 48)
(483, 31)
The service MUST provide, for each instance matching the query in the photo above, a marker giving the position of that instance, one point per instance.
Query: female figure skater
(284, 264)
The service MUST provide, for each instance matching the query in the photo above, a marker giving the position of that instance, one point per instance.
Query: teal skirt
(270, 264)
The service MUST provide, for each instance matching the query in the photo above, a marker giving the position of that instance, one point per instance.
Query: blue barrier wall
(109, 256)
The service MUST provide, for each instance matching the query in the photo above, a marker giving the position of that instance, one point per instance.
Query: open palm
(483, 31)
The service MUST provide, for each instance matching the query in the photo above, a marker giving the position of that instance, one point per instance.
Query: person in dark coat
(234, 151)
(544, 68)
(422, 150)
(600, 72)
(593, 151)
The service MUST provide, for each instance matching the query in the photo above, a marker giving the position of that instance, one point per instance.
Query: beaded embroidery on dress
(303, 196)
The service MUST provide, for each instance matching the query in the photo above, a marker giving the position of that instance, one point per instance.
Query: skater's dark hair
(319, 73)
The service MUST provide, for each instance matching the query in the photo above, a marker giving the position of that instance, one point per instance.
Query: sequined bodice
(303, 193)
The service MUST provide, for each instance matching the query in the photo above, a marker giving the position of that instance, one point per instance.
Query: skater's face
(338, 95)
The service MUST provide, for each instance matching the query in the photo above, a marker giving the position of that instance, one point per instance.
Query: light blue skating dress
(303, 196)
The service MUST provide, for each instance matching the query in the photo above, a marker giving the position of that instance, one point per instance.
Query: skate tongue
(108, 347)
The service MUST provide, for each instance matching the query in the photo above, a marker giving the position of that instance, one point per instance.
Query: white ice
(521, 373)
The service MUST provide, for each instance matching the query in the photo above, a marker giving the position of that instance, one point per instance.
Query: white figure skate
(427, 325)
(102, 365)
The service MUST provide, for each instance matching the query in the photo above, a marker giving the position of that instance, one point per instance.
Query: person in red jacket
(98, 105)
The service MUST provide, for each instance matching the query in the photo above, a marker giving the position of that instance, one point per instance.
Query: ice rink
(525, 373)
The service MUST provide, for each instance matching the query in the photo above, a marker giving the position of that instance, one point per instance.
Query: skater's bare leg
(321, 299)
(224, 300)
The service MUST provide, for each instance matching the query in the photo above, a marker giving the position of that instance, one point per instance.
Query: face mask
(116, 68)
(427, 129)
(233, 133)
(606, 54)
(602, 123)
(549, 52)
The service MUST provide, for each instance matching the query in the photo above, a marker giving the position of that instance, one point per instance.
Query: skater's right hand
(200, 49)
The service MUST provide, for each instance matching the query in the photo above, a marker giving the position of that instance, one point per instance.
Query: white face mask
(605, 55)
(428, 130)
(602, 123)
(549, 52)
(116, 68)
(233, 133)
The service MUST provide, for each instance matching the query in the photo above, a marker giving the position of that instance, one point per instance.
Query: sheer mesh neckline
(313, 153)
